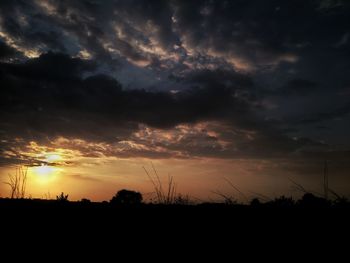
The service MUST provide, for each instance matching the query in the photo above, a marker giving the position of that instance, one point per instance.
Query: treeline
(133, 198)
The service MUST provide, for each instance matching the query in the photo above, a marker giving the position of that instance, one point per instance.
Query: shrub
(127, 197)
(62, 198)
(85, 201)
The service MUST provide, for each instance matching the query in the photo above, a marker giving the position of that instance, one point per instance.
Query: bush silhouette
(283, 202)
(255, 202)
(310, 200)
(62, 198)
(127, 197)
(85, 201)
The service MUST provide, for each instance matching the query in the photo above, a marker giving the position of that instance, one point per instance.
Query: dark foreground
(84, 228)
(211, 215)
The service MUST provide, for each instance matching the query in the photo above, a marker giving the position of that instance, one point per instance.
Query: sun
(44, 170)
(45, 173)
(52, 157)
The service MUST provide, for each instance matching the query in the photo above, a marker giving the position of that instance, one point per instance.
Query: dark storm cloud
(255, 68)
(220, 78)
(158, 12)
(299, 87)
(259, 33)
(338, 113)
(53, 85)
(107, 30)
(21, 21)
(246, 34)
(7, 51)
(49, 97)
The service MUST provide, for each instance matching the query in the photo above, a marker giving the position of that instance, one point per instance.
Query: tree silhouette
(18, 182)
(127, 197)
(310, 200)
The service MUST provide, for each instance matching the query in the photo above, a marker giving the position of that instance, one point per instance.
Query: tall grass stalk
(18, 182)
(163, 195)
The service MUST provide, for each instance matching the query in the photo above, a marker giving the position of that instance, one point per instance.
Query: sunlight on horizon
(62, 169)
(45, 174)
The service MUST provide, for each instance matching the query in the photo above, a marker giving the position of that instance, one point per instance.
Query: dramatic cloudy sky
(257, 92)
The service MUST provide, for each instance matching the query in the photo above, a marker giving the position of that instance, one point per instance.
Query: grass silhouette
(166, 194)
(163, 194)
(18, 182)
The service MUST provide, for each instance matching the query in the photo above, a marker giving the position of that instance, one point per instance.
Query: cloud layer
(184, 79)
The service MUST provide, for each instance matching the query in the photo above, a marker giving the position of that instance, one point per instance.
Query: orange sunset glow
(97, 176)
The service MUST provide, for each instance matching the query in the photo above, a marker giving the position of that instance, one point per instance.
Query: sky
(249, 91)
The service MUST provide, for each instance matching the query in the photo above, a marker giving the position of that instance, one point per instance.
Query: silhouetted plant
(310, 200)
(47, 195)
(163, 195)
(228, 199)
(283, 201)
(236, 189)
(261, 197)
(18, 183)
(182, 200)
(85, 201)
(62, 197)
(127, 197)
(255, 202)
(341, 202)
(298, 187)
